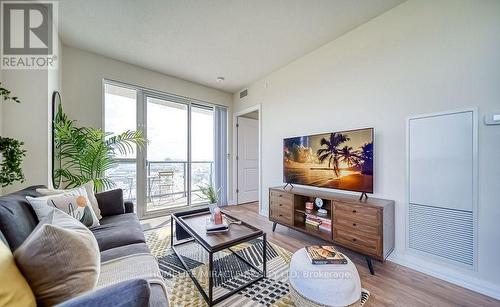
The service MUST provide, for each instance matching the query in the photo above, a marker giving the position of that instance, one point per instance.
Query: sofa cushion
(158, 298)
(17, 218)
(130, 293)
(89, 189)
(118, 230)
(122, 251)
(14, 289)
(111, 202)
(60, 259)
(75, 203)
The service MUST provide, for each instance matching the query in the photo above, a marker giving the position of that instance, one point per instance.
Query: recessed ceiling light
(220, 79)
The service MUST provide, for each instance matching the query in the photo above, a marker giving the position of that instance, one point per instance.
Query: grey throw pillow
(60, 259)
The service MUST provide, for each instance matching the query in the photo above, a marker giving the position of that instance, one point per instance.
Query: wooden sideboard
(364, 226)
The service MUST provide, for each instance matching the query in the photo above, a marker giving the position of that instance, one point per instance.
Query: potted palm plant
(87, 154)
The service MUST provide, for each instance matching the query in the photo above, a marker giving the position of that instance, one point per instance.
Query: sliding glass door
(167, 159)
(120, 115)
(202, 150)
(186, 148)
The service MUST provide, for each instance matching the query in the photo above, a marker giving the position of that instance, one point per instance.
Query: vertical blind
(220, 157)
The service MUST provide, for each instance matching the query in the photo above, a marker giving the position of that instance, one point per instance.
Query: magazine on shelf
(323, 224)
(325, 227)
(325, 255)
(312, 223)
(318, 218)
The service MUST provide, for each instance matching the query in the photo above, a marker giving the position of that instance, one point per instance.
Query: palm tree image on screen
(338, 160)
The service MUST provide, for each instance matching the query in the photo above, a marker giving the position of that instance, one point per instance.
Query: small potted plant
(212, 195)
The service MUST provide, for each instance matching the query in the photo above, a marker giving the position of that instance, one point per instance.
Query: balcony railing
(166, 183)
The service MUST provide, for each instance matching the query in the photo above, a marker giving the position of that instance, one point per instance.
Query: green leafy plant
(5, 94)
(87, 153)
(12, 158)
(11, 150)
(210, 193)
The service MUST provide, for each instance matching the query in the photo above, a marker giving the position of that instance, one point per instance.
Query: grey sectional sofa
(120, 234)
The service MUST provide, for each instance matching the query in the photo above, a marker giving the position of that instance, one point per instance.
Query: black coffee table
(192, 225)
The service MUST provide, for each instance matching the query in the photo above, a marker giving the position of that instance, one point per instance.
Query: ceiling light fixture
(220, 79)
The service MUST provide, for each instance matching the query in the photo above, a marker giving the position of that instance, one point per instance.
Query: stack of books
(322, 223)
(325, 255)
(216, 228)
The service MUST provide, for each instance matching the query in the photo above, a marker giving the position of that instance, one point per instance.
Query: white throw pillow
(75, 203)
(89, 188)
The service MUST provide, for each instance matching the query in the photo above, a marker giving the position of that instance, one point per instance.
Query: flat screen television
(339, 160)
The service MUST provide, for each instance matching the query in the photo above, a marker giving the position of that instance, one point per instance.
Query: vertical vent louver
(441, 186)
(244, 93)
(443, 232)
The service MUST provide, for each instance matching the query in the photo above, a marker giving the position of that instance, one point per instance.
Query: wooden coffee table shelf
(193, 224)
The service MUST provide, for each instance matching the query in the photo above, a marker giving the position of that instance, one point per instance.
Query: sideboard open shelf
(364, 226)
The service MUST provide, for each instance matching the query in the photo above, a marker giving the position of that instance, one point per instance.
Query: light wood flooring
(392, 284)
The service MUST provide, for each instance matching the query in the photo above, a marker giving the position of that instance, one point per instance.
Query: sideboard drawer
(371, 245)
(281, 216)
(281, 203)
(281, 195)
(364, 214)
(357, 226)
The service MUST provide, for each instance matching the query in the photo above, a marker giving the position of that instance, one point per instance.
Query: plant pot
(212, 207)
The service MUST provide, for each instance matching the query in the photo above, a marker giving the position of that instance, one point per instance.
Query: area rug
(270, 291)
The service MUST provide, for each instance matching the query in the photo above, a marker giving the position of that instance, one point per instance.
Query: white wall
(28, 122)
(420, 57)
(82, 77)
(83, 73)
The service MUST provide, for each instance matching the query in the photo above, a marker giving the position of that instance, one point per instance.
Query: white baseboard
(463, 279)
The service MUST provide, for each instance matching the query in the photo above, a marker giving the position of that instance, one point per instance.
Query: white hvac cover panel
(441, 161)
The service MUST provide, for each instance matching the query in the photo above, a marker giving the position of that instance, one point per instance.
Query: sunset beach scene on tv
(339, 160)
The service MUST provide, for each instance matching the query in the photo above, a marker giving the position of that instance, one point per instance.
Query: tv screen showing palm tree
(338, 160)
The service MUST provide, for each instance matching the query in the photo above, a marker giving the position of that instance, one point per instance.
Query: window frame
(141, 155)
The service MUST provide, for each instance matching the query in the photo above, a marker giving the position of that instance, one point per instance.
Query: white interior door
(248, 160)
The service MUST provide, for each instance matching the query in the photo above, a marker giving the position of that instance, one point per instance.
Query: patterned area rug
(270, 291)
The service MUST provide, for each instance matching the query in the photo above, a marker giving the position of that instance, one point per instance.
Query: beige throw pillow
(75, 204)
(89, 189)
(60, 259)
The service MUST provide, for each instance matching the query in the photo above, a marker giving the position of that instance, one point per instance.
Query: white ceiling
(240, 40)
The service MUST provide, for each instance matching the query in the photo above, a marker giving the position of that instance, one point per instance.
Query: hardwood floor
(392, 284)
